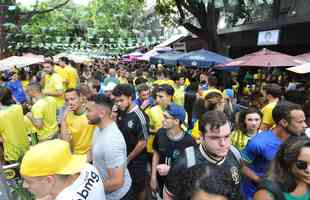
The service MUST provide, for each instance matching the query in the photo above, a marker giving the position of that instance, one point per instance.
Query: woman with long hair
(289, 175)
(248, 124)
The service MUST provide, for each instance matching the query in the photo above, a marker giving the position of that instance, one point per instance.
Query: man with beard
(53, 86)
(133, 124)
(214, 151)
(75, 128)
(108, 151)
(262, 148)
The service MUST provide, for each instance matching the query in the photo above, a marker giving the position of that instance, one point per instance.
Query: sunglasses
(301, 164)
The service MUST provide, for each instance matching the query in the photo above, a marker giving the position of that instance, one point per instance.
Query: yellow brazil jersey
(53, 83)
(30, 128)
(196, 132)
(13, 132)
(122, 80)
(239, 139)
(179, 95)
(205, 93)
(156, 117)
(160, 82)
(45, 109)
(81, 132)
(25, 85)
(63, 74)
(267, 113)
(187, 82)
(72, 77)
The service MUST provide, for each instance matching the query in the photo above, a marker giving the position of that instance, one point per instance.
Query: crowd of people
(115, 131)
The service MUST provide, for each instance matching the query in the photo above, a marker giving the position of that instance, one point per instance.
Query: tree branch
(193, 29)
(181, 11)
(35, 12)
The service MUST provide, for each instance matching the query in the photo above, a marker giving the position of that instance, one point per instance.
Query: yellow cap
(51, 157)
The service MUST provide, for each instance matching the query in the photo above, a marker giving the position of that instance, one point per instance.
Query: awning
(172, 40)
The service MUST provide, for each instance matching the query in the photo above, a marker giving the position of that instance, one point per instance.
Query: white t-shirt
(88, 186)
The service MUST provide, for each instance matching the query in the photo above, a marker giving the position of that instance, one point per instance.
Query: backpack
(273, 188)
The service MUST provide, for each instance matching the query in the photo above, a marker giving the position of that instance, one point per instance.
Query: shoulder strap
(273, 188)
(236, 153)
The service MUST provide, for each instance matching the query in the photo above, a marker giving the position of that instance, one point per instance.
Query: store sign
(268, 38)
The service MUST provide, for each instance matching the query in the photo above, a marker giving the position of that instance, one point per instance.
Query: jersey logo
(89, 185)
(130, 124)
(235, 175)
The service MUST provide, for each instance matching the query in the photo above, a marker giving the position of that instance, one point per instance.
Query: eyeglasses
(301, 164)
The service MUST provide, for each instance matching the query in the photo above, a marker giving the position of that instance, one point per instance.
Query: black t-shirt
(231, 165)
(134, 126)
(171, 150)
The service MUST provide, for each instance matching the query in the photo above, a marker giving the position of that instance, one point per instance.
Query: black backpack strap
(273, 188)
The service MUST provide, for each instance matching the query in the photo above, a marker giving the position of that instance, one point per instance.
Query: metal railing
(4, 188)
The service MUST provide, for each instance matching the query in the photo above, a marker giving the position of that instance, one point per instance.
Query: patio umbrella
(19, 62)
(153, 52)
(264, 58)
(168, 58)
(301, 69)
(134, 54)
(202, 58)
(75, 57)
(305, 56)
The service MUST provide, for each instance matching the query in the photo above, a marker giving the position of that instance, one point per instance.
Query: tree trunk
(3, 44)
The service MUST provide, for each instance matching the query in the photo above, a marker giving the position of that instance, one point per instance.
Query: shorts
(138, 175)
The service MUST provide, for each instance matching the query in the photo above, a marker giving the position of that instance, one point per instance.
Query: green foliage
(167, 9)
(71, 23)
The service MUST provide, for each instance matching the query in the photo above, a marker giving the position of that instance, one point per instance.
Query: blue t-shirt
(17, 90)
(258, 153)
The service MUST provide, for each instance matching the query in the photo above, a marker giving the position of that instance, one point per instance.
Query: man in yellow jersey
(53, 86)
(59, 68)
(162, 76)
(272, 93)
(71, 72)
(43, 113)
(164, 94)
(75, 128)
(14, 140)
(179, 88)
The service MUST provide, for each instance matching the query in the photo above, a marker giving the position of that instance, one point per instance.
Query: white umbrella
(153, 52)
(301, 69)
(76, 57)
(19, 62)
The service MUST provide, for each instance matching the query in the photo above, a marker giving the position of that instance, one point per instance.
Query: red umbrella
(264, 58)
